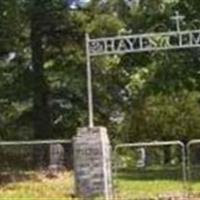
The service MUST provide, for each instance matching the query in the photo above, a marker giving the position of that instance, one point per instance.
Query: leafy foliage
(147, 96)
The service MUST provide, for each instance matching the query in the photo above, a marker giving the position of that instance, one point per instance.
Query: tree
(43, 76)
(41, 109)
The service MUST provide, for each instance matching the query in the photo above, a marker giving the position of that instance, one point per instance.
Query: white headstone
(56, 155)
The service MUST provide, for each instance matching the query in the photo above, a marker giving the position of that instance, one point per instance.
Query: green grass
(127, 189)
(152, 182)
(38, 187)
(148, 188)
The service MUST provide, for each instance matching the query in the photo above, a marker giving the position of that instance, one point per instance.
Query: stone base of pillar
(92, 163)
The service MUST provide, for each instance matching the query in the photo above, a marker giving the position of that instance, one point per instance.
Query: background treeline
(147, 96)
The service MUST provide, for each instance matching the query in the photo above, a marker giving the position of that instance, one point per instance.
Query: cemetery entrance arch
(178, 39)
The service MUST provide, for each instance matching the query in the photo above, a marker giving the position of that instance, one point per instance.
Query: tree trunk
(41, 109)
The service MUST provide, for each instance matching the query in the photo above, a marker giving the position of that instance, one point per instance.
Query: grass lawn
(151, 189)
(38, 187)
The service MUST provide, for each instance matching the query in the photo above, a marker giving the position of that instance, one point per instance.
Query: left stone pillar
(92, 163)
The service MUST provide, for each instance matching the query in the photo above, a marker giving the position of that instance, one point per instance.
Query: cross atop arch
(178, 18)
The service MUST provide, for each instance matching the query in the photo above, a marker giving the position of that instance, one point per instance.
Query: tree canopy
(147, 96)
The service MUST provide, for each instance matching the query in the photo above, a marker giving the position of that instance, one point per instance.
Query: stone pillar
(92, 163)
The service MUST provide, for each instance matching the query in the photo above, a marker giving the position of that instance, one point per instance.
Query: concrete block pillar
(92, 163)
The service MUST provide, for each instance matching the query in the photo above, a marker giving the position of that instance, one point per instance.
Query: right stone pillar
(92, 163)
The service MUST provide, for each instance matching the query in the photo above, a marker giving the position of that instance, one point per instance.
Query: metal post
(189, 163)
(89, 84)
(184, 168)
(189, 167)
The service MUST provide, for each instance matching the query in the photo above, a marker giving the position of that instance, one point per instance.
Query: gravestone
(56, 156)
(92, 163)
(141, 162)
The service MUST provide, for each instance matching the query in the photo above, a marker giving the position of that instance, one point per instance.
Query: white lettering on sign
(144, 42)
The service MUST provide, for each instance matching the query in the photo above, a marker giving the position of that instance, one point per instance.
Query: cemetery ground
(40, 185)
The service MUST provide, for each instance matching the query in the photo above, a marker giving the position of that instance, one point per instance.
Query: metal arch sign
(138, 43)
(144, 43)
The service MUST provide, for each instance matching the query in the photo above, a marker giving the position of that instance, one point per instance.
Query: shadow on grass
(16, 176)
